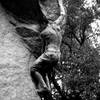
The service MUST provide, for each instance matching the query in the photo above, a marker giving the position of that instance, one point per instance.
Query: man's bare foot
(43, 91)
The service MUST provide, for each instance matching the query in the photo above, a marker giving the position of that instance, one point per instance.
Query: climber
(52, 36)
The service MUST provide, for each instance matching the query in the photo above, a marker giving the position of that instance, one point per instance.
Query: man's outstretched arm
(62, 18)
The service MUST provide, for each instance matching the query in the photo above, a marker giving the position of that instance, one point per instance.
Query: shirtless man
(52, 36)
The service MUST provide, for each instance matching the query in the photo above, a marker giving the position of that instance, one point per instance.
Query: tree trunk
(15, 62)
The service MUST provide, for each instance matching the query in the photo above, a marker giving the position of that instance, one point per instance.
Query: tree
(79, 71)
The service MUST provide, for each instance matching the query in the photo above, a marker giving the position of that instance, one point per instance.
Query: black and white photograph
(49, 49)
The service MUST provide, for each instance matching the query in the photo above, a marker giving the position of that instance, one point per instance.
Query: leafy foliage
(79, 70)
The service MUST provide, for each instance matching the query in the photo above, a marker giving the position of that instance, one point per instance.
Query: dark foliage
(79, 70)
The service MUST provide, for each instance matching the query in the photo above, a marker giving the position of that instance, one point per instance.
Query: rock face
(15, 62)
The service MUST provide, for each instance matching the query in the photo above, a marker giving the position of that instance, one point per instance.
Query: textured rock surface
(15, 61)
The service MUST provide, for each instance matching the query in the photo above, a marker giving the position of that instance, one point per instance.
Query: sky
(89, 3)
(95, 25)
(96, 33)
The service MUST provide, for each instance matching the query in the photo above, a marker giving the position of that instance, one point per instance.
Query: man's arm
(62, 18)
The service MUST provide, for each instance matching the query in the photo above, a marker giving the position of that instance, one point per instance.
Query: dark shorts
(46, 61)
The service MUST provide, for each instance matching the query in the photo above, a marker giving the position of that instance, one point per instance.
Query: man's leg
(47, 82)
(37, 79)
(39, 67)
